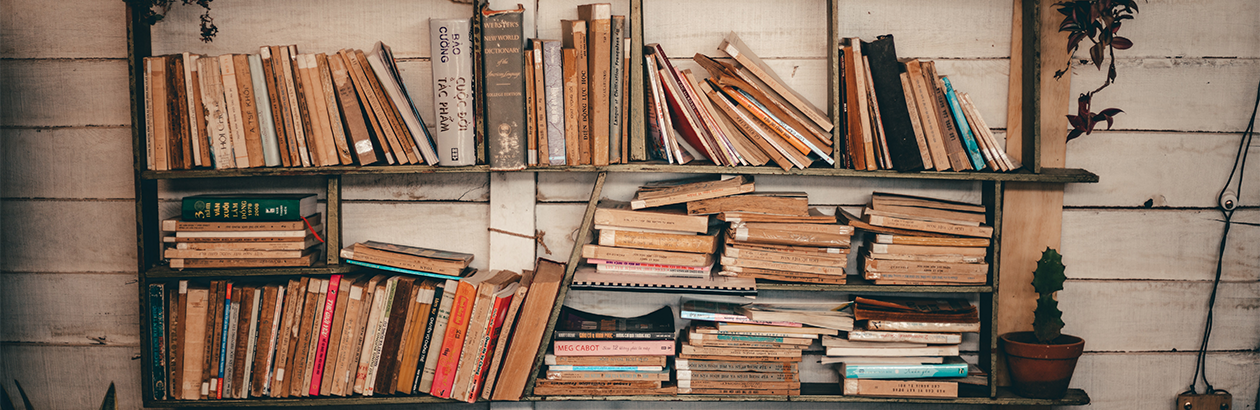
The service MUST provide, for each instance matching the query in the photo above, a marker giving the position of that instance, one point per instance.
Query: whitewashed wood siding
(1140, 245)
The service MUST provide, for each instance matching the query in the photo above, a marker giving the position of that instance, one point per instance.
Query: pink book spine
(325, 328)
(614, 348)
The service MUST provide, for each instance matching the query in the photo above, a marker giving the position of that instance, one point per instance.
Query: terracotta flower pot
(1038, 370)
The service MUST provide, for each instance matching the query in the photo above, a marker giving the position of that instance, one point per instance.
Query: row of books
(923, 241)
(365, 334)
(903, 347)
(902, 115)
(281, 108)
(602, 355)
(244, 231)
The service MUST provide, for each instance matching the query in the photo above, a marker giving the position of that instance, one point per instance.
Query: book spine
(503, 68)
(399, 270)
(274, 105)
(569, 96)
(236, 350)
(886, 81)
(249, 110)
(325, 330)
(453, 341)
(614, 348)
(646, 256)
(694, 375)
(950, 350)
(553, 96)
(791, 267)
(552, 359)
(243, 390)
(425, 264)
(899, 388)
(216, 384)
(614, 335)
(435, 307)
(648, 220)
(488, 345)
(730, 318)
(212, 99)
(771, 367)
(266, 124)
(157, 338)
(779, 257)
(964, 130)
(176, 302)
(538, 102)
(694, 386)
(224, 209)
(439, 336)
(740, 352)
(616, 91)
(569, 368)
(214, 327)
(598, 17)
(665, 242)
(382, 331)
(662, 376)
(176, 99)
(194, 341)
(232, 107)
(452, 91)
(904, 371)
(932, 338)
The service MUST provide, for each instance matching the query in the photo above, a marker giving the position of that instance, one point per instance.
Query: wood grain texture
(550, 12)
(48, 93)
(1173, 310)
(36, 309)
(1113, 383)
(511, 210)
(445, 226)
(68, 236)
(418, 187)
(36, 29)
(792, 29)
(66, 163)
(72, 377)
(319, 26)
(1155, 244)
(1175, 94)
(929, 29)
(1168, 169)
(1230, 32)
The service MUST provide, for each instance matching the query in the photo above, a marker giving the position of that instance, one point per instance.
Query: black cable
(1227, 211)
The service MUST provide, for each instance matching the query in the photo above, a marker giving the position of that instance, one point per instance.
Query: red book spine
(484, 359)
(453, 341)
(614, 348)
(325, 329)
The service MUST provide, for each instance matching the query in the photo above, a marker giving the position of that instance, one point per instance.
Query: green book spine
(247, 208)
(157, 334)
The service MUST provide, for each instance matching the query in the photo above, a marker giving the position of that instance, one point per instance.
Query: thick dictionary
(503, 67)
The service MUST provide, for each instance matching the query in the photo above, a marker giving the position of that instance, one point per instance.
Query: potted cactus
(1041, 361)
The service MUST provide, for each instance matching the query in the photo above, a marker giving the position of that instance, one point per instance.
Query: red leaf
(1073, 134)
(1121, 43)
(1111, 112)
(1096, 55)
(1076, 122)
(1075, 40)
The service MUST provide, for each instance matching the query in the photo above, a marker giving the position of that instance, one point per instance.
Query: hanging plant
(1099, 21)
(152, 11)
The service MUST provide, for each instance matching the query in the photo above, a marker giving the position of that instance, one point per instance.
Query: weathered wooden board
(1221, 28)
(47, 93)
(932, 29)
(320, 26)
(458, 227)
(68, 236)
(1159, 315)
(1175, 94)
(37, 309)
(175, 189)
(558, 223)
(793, 29)
(511, 217)
(562, 187)
(1153, 380)
(72, 377)
(1168, 169)
(550, 12)
(66, 163)
(417, 187)
(63, 29)
(1153, 244)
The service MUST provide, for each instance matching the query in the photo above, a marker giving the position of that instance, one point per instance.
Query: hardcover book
(248, 207)
(452, 91)
(578, 325)
(503, 66)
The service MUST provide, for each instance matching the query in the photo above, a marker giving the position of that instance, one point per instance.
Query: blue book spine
(401, 270)
(227, 321)
(904, 371)
(964, 130)
(157, 334)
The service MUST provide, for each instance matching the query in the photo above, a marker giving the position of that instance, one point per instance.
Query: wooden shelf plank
(163, 272)
(1074, 397)
(298, 402)
(1051, 175)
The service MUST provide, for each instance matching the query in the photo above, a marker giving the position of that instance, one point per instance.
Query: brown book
(728, 262)
(398, 314)
(574, 36)
(265, 337)
(539, 101)
(671, 192)
(175, 311)
(312, 348)
(363, 253)
(822, 252)
(916, 124)
(376, 105)
(335, 371)
(929, 226)
(299, 154)
(311, 307)
(352, 358)
(413, 338)
(376, 131)
(245, 321)
(214, 321)
(758, 234)
(194, 341)
(181, 263)
(819, 259)
(598, 18)
(274, 97)
(954, 149)
(619, 214)
(293, 301)
(572, 131)
(356, 127)
(401, 135)
(729, 377)
(646, 256)
(732, 45)
(531, 110)
(704, 386)
(547, 390)
(477, 336)
(927, 112)
(304, 109)
(899, 388)
(334, 110)
(603, 360)
(181, 154)
(336, 334)
(876, 248)
(778, 203)
(518, 361)
(745, 126)
(249, 110)
(505, 333)
(233, 111)
(404, 342)
(720, 124)
(317, 109)
(196, 111)
(658, 241)
(157, 132)
(858, 111)
(930, 241)
(783, 276)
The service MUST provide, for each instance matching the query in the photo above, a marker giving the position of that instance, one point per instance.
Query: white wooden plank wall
(1139, 246)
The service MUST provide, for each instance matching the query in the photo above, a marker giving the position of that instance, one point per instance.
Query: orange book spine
(453, 341)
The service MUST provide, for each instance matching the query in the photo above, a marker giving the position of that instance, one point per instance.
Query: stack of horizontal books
(597, 355)
(923, 241)
(778, 237)
(346, 335)
(411, 260)
(244, 231)
(905, 348)
(727, 352)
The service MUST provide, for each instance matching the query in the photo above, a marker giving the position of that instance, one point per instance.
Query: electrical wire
(1227, 211)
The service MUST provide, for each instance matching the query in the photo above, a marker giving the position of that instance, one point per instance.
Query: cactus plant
(1048, 279)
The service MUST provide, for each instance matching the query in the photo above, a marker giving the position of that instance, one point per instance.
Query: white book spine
(190, 67)
(243, 389)
(266, 124)
(452, 91)
(553, 90)
(232, 106)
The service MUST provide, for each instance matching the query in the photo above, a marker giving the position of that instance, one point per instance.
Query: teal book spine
(964, 130)
(904, 371)
(247, 208)
(402, 270)
(157, 336)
